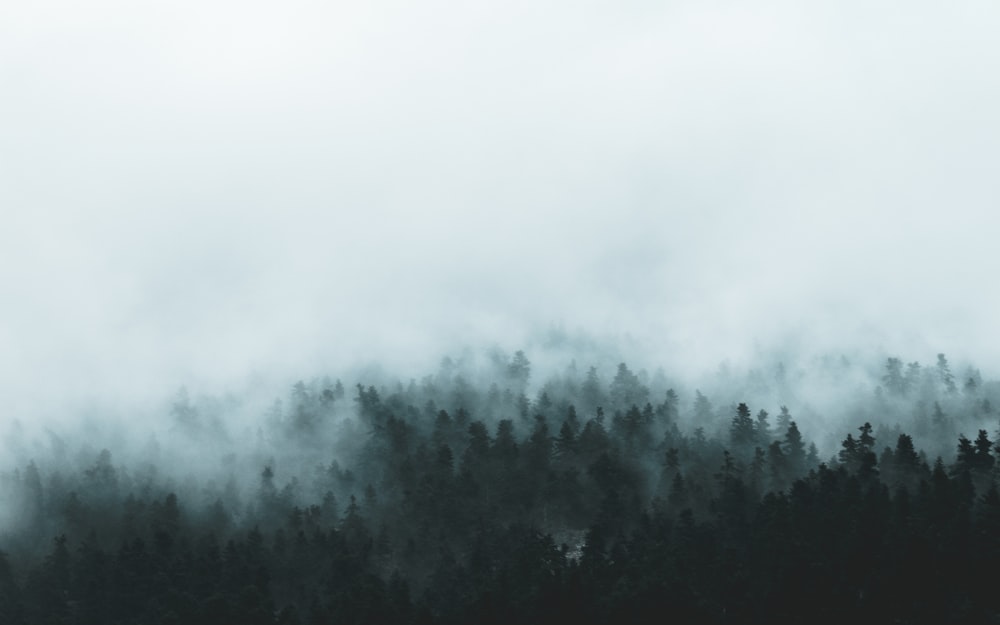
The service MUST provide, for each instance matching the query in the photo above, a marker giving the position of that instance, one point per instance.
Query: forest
(480, 494)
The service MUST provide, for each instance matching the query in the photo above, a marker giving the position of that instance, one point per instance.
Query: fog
(225, 195)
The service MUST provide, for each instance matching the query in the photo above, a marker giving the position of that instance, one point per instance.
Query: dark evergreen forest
(587, 497)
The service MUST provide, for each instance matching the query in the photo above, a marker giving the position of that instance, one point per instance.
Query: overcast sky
(195, 191)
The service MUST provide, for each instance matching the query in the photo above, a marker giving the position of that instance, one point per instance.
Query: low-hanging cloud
(201, 192)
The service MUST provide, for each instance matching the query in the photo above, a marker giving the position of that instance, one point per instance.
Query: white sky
(192, 192)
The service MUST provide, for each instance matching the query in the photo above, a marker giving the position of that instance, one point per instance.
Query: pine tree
(762, 429)
(983, 460)
(795, 449)
(741, 430)
(784, 419)
(867, 460)
(626, 389)
(848, 454)
(590, 391)
(893, 378)
(565, 443)
(945, 376)
(519, 370)
(702, 408)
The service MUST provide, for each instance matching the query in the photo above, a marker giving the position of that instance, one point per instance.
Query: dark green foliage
(626, 389)
(11, 608)
(559, 516)
(742, 433)
(794, 449)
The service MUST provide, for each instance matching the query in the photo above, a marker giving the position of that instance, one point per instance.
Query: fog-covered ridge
(828, 393)
(486, 435)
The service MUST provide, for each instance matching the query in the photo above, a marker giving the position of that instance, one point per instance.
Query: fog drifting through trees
(396, 486)
(256, 258)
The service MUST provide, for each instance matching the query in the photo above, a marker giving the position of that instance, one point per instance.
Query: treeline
(451, 501)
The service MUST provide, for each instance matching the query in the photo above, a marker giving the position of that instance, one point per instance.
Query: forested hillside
(591, 496)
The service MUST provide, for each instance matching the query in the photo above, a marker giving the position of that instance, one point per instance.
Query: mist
(207, 193)
(213, 213)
